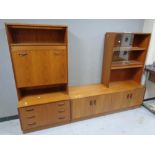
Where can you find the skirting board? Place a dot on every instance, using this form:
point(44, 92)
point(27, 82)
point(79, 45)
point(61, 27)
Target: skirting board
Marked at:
point(9, 118)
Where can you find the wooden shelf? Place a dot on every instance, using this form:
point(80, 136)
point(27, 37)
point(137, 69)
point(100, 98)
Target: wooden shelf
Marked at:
point(42, 98)
point(36, 26)
point(38, 44)
point(128, 49)
point(126, 64)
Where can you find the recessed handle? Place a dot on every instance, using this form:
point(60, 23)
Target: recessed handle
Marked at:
point(57, 52)
point(61, 111)
point(34, 123)
point(63, 117)
point(22, 54)
point(61, 104)
point(31, 117)
point(30, 109)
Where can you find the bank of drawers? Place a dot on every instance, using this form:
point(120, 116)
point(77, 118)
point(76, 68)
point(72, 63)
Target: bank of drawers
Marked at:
point(45, 114)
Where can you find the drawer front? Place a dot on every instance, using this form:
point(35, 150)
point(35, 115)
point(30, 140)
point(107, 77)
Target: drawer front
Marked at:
point(40, 65)
point(58, 112)
point(33, 116)
point(47, 114)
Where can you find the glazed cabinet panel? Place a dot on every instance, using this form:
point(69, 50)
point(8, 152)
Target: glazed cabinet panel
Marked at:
point(82, 107)
point(36, 66)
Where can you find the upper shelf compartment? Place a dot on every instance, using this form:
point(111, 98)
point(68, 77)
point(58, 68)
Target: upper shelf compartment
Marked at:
point(31, 34)
point(132, 41)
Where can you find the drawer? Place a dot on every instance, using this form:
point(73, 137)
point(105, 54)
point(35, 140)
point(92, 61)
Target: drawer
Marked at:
point(58, 112)
point(32, 116)
point(46, 114)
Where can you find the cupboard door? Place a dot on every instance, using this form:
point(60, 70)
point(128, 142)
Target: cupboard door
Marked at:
point(120, 100)
point(39, 66)
point(82, 107)
point(101, 103)
point(137, 96)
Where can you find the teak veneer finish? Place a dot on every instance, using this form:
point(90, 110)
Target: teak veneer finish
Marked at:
point(92, 100)
point(39, 55)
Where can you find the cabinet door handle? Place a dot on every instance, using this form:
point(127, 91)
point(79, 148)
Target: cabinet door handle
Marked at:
point(90, 102)
point(94, 102)
point(22, 54)
point(130, 96)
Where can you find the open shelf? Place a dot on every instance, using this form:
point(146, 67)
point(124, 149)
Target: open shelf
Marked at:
point(128, 49)
point(37, 34)
point(126, 64)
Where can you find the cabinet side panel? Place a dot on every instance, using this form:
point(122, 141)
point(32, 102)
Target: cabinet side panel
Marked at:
point(107, 58)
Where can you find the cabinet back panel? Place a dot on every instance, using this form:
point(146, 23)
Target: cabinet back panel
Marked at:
point(125, 74)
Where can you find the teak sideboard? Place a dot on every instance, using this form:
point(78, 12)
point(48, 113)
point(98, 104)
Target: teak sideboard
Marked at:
point(39, 55)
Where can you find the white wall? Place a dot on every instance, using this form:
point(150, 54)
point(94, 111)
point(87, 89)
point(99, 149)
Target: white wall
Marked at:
point(85, 54)
point(149, 26)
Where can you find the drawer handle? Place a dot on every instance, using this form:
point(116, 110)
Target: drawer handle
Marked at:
point(57, 52)
point(130, 96)
point(60, 111)
point(22, 54)
point(31, 117)
point(32, 123)
point(62, 117)
point(29, 110)
point(61, 104)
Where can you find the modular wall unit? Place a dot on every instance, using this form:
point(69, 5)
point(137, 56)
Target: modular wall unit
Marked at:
point(39, 55)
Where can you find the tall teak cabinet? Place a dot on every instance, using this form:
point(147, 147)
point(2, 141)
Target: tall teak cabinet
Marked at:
point(39, 55)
